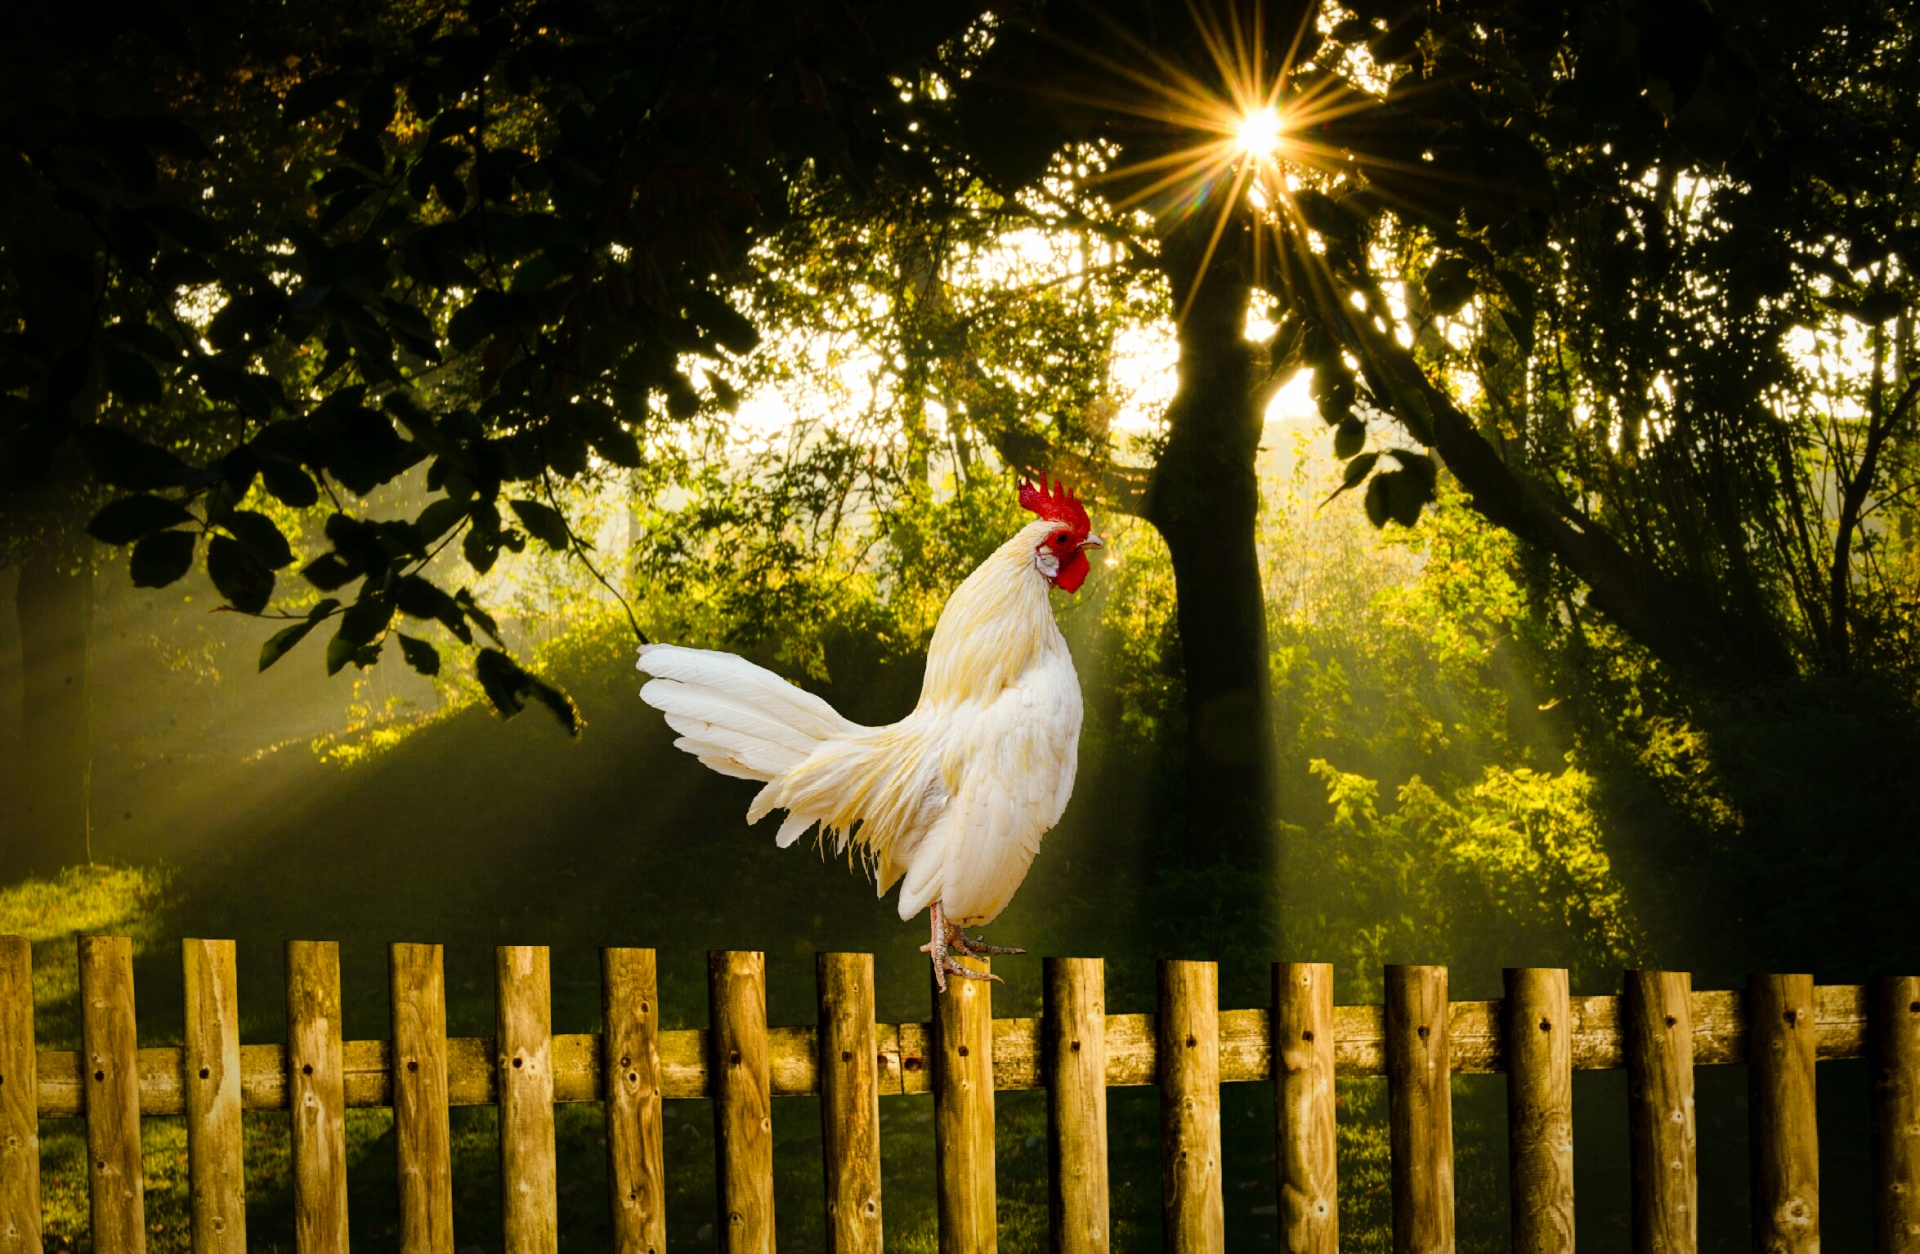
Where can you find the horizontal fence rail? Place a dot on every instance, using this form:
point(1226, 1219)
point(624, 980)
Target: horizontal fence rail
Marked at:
point(1476, 1037)
point(1659, 1031)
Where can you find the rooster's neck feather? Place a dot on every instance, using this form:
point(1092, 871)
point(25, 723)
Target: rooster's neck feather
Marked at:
point(995, 626)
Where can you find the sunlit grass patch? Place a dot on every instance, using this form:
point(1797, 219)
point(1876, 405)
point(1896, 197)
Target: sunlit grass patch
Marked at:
point(80, 901)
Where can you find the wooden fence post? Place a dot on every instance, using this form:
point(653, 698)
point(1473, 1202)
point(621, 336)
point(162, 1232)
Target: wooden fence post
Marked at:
point(1302, 1030)
point(742, 1081)
point(1189, 1058)
point(849, 1102)
point(1661, 1122)
point(116, 1182)
point(1420, 1109)
point(422, 1134)
point(1539, 1040)
point(216, 1170)
point(963, 1114)
point(1074, 1055)
point(1893, 1026)
point(636, 1157)
point(529, 1189)
point(316, 1089)
point(20, 1221)
point(1785, 1137)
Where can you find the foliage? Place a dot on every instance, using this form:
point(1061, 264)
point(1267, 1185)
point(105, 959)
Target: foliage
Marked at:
point(1514, 863)
point(1616, 348)
point(491, 240)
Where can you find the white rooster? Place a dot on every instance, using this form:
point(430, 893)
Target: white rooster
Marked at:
point(953, 798)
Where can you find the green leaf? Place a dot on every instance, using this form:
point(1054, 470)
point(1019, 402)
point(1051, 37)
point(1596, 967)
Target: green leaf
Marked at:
point(131, 377)
point(240, 577)
point(543, 522)
point(481, 618)
point(1357, 469)
point(1349, 438)
point(418, 597)
point(125, 461)
point(420, 655)
point(261, 536)
point(340, 651)
point(161, 558)
point(329, 571)
point(724, 392)
point(289, 484)
point(281, 642)
point(1450, 285)
point(437, 519)
point(1377, 503)
point(127, 519)
point(509, 687)
point(367, 617)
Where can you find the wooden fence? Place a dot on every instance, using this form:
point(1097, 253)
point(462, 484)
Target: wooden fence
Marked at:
point(1659, 1031)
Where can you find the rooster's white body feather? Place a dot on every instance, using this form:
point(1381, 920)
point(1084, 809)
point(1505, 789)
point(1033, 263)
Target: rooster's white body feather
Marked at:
point(951, 801)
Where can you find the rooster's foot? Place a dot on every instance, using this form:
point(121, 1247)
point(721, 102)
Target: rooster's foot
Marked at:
point(946, 939)
point(973, 945)
point(945, 965)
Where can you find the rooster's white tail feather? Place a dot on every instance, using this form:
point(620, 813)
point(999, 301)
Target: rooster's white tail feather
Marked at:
point(737, 718)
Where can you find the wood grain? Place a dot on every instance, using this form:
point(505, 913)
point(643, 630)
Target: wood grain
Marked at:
point(216, 1171)
point(1662, 1127)
point(1303, 1107)
point(1895, 1011)
point(1194, 1211)
point(316, 1084)
point(849, 1102)
point(1074, 1053)
point(963, 1078)
point(20, 1215)
point(1539, 1042)
point(422, 1133)
point(636, 1158)
point(1420, 1109)
point(116, 1181)
point(742, 1100)
point(529, 1189)
point(1785, 1136)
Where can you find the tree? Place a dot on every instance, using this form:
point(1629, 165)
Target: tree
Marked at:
point(1579, 253)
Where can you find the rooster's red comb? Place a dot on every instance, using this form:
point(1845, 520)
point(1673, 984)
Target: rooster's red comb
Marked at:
point(1055, 504)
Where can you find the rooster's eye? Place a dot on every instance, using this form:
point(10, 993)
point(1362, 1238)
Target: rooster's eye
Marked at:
point(1060, 539)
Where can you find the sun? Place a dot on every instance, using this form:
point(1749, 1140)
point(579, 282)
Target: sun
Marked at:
point(1259, 133)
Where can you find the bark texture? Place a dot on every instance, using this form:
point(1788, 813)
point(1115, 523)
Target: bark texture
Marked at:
point(1204, 500)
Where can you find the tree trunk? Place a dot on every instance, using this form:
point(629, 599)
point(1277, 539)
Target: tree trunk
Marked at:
point(1204, 499)
point(51, 819)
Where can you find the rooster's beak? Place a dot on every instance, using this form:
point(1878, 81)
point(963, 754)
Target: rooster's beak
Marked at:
point(1093, 542)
